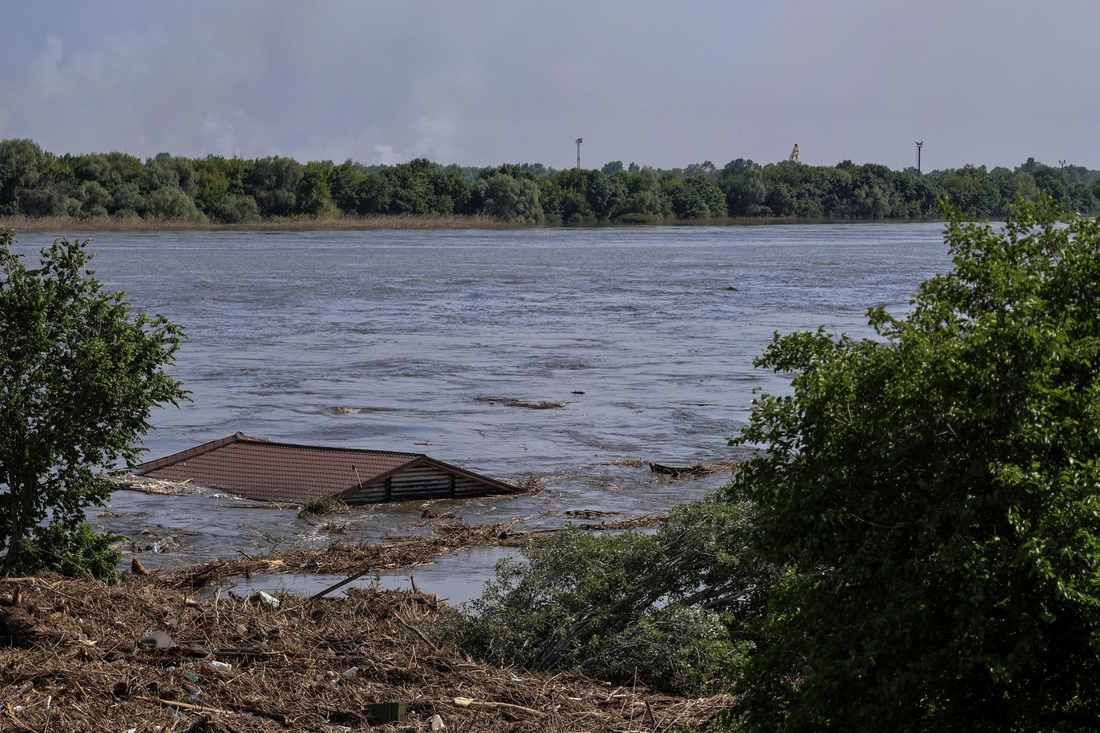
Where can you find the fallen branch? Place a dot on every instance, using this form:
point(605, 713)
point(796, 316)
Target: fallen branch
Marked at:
point(277, 717)
point(514, 402)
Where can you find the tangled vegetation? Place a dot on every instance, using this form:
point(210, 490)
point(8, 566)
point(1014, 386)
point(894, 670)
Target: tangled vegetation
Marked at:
point(670, 609)
point(320, 506)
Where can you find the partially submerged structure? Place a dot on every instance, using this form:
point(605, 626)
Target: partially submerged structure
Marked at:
point(285, 472)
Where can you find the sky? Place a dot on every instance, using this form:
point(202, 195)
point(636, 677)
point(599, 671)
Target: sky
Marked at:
point(481, 83)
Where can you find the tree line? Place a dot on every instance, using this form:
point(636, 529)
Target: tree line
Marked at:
point(215, 189)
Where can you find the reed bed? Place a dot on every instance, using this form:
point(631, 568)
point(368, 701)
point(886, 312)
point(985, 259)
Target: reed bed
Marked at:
point(68, 224)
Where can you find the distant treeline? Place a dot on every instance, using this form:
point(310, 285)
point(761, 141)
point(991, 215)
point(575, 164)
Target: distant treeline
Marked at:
point(215, 189)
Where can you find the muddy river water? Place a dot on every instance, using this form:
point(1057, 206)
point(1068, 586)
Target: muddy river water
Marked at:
point(403, 340)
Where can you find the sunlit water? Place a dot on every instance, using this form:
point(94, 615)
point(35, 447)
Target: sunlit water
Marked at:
point(386, 340)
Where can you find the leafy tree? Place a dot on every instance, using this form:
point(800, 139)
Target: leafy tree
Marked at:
point(171, 202)
point(93, 199)
point(109, 170)
point(605, 195)
point(273, 184)
point(235, 209)
point(21, 164)
point(375, 194)
point(743, 183)
point(165, 171)
point(419, 187)
point(781, 200)
point(706, 169)
point(642, 207)
point(972, 190)
point(52, 194)
point(637, 197)
point(411, 187)
point(922, 194)
point(694, 198)
point(345, 181)
point(1082, 199)
point(1051, 182)
point(567, 198)
point(127, 201)
point(79, 374)
point(507, 198)
point(737, 167)
point(314, 196)
point(934, 491)
point(452, 192)
point(219, 184)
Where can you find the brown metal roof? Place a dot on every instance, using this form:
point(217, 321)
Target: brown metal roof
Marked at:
point(261, 469)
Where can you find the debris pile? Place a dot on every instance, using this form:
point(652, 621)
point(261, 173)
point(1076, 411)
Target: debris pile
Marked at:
point(146, 654)
point(396, 553)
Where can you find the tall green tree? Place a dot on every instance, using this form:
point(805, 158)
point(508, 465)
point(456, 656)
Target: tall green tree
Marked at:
point(936, 491)
point(21, 164)
point(273, 184)
point(79, 374)
point(508, 198)
point(694, 198)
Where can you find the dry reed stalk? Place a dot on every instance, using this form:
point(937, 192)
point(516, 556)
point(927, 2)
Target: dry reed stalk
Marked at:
point(71, 224)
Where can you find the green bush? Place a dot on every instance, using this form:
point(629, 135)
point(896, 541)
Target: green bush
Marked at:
point(934, 491)
point(667, 609)
point(678, 648)
point(73, 553)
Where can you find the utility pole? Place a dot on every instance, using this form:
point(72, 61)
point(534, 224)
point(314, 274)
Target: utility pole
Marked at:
point(920, 144)
point(579, 141)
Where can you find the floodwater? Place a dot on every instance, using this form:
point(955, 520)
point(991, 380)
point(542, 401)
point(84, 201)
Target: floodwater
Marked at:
point(387, 339)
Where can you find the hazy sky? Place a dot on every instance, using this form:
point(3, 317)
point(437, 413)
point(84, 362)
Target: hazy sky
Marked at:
point(482, 83)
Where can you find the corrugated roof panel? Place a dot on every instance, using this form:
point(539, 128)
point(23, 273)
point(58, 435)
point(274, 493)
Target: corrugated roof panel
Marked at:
point(284, 472)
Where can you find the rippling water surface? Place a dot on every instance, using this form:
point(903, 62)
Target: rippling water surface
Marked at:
point(387, 340)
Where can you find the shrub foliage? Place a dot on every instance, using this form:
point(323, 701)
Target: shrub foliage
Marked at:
point(669, 609)
point(936, 492)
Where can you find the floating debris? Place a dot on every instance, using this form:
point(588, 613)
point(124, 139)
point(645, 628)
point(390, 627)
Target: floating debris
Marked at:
point(692, 471)
point(589, 513)
point(678, 471)
point(514, 402)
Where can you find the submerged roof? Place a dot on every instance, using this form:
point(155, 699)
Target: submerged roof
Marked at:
point(262, 469)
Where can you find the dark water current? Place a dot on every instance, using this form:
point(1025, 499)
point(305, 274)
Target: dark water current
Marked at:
point(386, 340)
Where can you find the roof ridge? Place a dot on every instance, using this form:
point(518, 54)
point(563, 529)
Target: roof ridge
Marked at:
point(242, 438)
